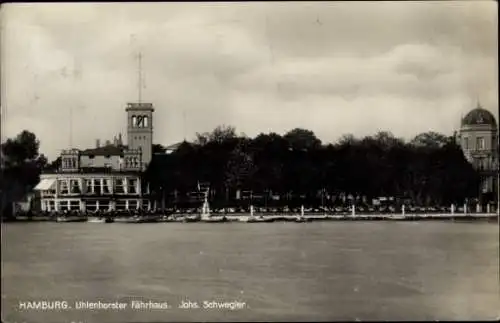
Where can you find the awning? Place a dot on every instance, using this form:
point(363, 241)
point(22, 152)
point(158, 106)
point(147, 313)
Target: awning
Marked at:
point(45, 184)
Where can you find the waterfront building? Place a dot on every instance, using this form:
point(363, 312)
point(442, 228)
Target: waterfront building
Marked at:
point(478, 138)
point(106, 177)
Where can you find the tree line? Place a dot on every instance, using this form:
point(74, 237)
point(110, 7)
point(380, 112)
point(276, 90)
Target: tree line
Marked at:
point(297, 169)
point(292, 169)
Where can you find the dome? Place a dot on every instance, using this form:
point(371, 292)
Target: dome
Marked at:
point(479, 116)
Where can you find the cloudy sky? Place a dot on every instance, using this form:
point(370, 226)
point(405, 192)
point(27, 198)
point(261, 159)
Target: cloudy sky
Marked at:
point(332, 67)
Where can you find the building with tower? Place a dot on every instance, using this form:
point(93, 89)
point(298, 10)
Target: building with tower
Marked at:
point(478, 138)
point(106, 177)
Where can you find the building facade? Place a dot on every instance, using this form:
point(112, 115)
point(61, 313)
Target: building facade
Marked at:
point(107, 177)
point(478, 138)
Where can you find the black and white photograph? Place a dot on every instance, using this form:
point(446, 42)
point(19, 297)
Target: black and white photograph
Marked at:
point(249, 161)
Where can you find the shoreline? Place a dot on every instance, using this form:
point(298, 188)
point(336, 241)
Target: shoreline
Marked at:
point(242, 217)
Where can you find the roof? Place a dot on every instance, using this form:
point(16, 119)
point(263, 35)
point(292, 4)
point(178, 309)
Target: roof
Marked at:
point(479, 116)
point(139, 106)
point(45, 184)
point(93, 170)
point(176, 146)
point(109, 150)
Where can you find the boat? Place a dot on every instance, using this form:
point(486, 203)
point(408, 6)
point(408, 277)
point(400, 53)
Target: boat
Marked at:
point(301, 218)
point(73, 218)
point(129, 219)
point(205, 215)
point(260, 219)
point(192, 218)
point(95, 219)
point(215, 219)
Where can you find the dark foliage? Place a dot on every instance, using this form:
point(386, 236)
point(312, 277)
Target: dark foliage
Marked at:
point(429, 170)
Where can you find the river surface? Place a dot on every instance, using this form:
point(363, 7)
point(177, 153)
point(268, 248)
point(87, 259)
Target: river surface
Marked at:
point(280, 271)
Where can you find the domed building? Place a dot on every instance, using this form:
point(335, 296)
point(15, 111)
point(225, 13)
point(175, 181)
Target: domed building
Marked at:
point(478, 138)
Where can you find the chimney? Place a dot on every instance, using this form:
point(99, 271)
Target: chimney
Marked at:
point(120, 139)
point(115, 141)
point(97, 143)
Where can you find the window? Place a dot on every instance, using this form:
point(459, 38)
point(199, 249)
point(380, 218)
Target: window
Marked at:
point(51, 206)
point(75, 186)
point(97, 186)
point(91, 206)
point(121, 205)
point(106, 187)
point(88, 186)
point(74, 205)
point(63, 187)
point(480, 143)
point(132, 204)
point(132, 186)
point(466, 143)
point(104, 205)
point(146, 204)
point(63, 205)
point(119, 189)
point(134, 121)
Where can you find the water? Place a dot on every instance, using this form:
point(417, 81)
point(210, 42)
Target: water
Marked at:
point(282, 271)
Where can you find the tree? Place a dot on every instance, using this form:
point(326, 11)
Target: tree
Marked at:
point(21, 169)
point(297, 166)
point(302, 139)
point(430, 139)
point(157, 149)
point(54, 165)
point(219, 134)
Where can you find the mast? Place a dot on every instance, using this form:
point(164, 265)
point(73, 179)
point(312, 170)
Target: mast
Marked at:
point(184, 125)
point(71, 127)
point(139, 58)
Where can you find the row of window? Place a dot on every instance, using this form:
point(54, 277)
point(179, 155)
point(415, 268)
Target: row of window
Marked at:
point(484, 163)
point(480, 144)
point(132, 162)
point(140, 121)
point(98, 186)
point(69, 162)
point(91, 206)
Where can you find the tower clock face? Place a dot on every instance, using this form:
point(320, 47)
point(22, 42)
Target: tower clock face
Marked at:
point(139, 121)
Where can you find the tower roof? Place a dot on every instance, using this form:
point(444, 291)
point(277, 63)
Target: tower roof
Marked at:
point(139, 106)
point(479, 116)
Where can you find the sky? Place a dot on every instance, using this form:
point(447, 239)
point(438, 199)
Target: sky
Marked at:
point(68, 70)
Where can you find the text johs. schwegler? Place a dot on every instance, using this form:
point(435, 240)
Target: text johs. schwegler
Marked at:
point(235, 305)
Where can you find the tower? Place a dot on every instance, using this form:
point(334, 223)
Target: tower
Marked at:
point(140, 130)
point(479, 141)
point(140, 125)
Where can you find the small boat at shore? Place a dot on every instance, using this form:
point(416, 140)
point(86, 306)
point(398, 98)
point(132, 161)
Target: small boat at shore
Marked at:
point(301, 218)
point(71, 219)
point(136, 219)
point(259, 219)
point(214, 219)
point(192, 218)
point(95, 219)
